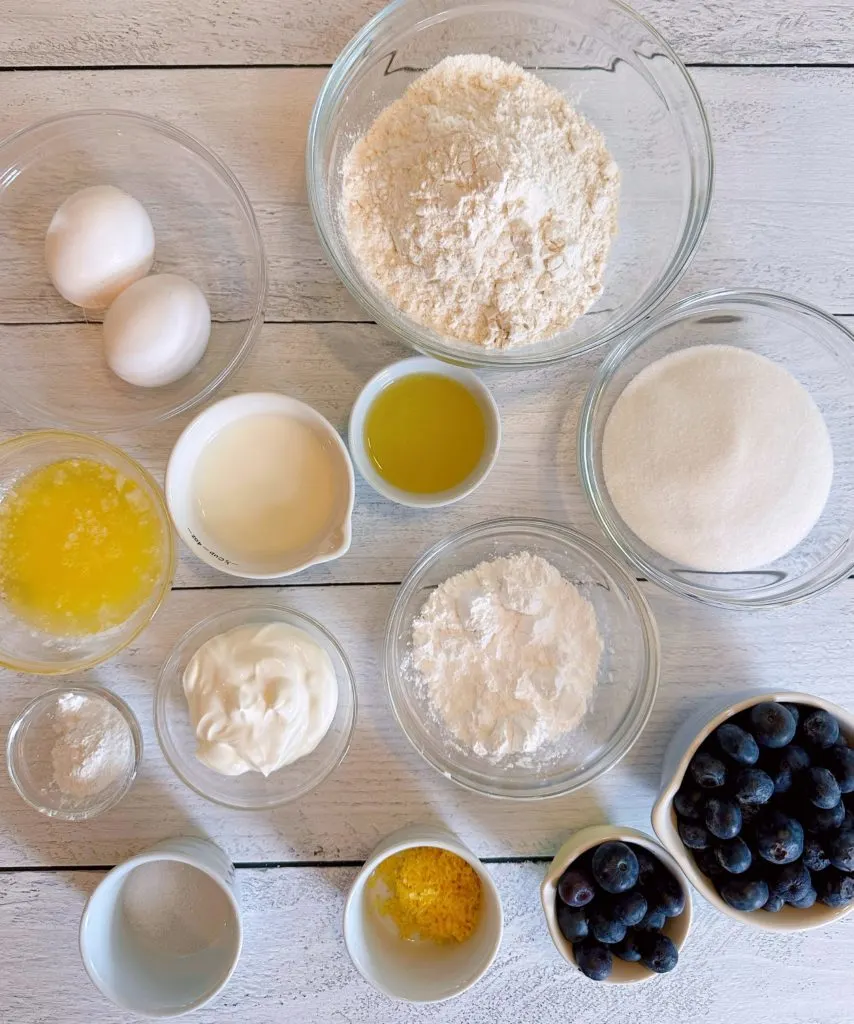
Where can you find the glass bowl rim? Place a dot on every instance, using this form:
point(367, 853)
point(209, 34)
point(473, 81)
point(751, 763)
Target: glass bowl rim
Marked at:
point(162, 128)
point(169, 669)
point(89, 690)
point(164, 587)
point(593, 487)
point(648, 674)
point(428, 342)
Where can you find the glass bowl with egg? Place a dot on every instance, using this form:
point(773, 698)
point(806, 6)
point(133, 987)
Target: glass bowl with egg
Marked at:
point(135, 275)
point(614, 69)
point(625, 677)
point(216, 739)
point(87, 552)
point(812, 515)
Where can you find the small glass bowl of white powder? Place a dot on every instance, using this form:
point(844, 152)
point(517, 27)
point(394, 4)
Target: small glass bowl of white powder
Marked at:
point(716, 449)
point(74, 752)
point(521, 660)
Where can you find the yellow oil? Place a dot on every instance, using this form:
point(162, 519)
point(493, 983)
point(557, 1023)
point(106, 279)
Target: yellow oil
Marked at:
point(81, 547)
point(425, 433)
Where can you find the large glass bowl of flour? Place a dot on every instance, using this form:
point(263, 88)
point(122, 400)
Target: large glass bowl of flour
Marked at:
point(614, 69)
point(819, 353)
point(625, 685)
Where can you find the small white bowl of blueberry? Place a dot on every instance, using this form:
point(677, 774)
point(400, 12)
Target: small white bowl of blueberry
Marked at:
point(757, 808)
point(617, 905)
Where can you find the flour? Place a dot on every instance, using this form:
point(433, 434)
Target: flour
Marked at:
point(93, 747)
point(507, 655)
point(482, 205)
point(717, 458)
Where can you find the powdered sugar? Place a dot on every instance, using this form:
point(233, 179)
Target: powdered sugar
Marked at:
point(482, 204)
point(93, 747)
point(507, 654)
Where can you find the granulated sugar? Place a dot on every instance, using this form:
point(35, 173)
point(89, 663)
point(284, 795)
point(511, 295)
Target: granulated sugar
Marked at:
point(482, 204)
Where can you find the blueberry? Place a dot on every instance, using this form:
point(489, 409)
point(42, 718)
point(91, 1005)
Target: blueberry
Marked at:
point(772, 724)
point(723, 818)
point(840, 760)
point(688, 802)
point(707, 771)
point(658, 952)
point(734, 855)
point(840, 849)
point(615, 867)
point(628, 948)
point(572, 923)
point(794, 711)
point(820, 728)
point(815, 819)
point(753, 786)
point(576, 887)
point(791, 881)
point(694, 836)
point(819, 787)
point(746, 894)
point(654, 920)
point(790, 761)
point(749, 814)
point(737, 744)
point(708, 863)
point(835, 889)
point(805, 900)
point(779, 838)
point(671, 898)
point(647, 864)
point(603, 928)
point(628, 908)
point(848, 820)
point(594, 960)
point(774, 904)
point(815, 858)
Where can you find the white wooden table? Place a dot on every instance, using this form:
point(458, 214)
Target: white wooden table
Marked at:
point(778, 82)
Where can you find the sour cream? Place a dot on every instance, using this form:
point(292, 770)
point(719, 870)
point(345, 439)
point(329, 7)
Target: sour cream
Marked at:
point(260, 697)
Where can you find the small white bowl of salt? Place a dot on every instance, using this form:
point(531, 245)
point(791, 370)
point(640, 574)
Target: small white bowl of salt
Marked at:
point(161, 935)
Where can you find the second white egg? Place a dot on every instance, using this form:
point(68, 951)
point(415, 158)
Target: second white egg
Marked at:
point(157, 330)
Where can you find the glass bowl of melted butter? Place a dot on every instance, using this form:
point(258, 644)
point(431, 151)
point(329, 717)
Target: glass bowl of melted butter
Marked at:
point(86, 551)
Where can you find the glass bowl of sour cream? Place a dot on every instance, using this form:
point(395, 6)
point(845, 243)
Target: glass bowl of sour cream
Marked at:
point(255, 706)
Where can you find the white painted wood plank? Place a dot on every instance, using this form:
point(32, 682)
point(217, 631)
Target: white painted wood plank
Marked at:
point(36, 33)
point(383, 784)
point(295, 969)
point(783, 215)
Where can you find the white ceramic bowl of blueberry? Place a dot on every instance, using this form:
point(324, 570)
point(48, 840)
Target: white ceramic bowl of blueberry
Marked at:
point(791, 861)
point(652, 859)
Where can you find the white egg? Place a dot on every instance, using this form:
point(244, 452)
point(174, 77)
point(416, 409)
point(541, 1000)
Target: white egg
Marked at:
point(157, 330)
point(100, 241)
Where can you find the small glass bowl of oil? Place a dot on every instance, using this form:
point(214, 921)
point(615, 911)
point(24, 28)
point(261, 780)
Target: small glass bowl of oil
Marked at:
point(425, 433)
point(87, 552)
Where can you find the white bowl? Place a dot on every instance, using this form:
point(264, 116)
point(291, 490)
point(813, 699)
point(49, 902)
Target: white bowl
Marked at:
point(133, 971)
point(685, 743)
point(405, 368)
point(676, 929)
point(179, 480)
point(419, 972)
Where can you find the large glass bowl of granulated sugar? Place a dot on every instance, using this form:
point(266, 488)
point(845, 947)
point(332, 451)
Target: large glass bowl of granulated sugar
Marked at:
point(490, 634)
point(616, 71)
point(745, 467)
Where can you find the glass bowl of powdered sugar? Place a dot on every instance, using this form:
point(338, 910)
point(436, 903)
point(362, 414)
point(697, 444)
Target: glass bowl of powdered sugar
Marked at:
point(521, 660)
point(508, 182)
point(73, 752)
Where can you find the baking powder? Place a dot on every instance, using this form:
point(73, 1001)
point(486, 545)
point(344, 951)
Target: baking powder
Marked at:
point(93, 746)
point(507, 654)
point(482, 204)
